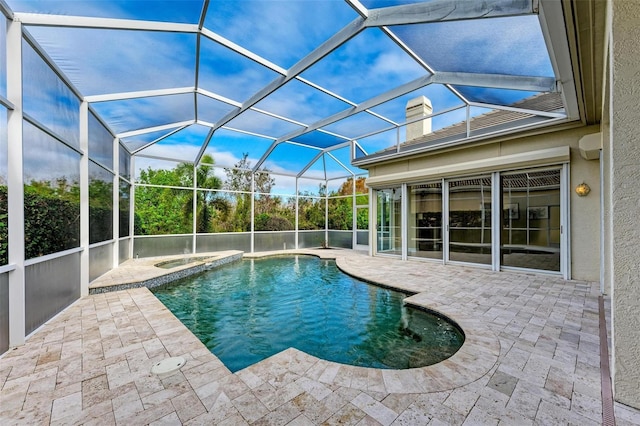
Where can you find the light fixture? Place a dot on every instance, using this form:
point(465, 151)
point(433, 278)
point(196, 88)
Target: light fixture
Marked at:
point(582, 189)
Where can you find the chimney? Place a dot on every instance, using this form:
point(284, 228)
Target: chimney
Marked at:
point(418, 107)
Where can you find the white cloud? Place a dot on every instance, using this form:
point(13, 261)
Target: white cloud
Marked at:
point(149, 112)
point(280, 31)
point(100, 61)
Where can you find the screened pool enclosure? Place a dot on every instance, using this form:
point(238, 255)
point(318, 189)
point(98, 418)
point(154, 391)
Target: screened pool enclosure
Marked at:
point(143, 128)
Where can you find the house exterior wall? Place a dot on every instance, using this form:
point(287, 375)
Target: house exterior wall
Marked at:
point(623, 227)
point(584, 211)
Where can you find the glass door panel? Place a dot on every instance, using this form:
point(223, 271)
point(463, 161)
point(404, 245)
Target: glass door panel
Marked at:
point(389, 237)
point(425, 220)
point(530, 236)
point(470, 220)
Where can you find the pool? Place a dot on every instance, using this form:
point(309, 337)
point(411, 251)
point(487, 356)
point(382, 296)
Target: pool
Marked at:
point(252, 309)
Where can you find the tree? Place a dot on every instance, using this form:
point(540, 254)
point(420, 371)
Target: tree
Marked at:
point(340, 212)
point(347, 186)
point(207, 202)
point(239, 181)
point(270, 214)
point(239, 177)
point(311, 211)
point(170, 210)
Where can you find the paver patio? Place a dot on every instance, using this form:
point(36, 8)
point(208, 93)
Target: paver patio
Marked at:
point(531, 357)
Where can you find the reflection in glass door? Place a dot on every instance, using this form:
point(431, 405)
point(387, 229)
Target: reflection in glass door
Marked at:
point(425, 220)
point(530, 236)
point(389, 237)
point(470, 220)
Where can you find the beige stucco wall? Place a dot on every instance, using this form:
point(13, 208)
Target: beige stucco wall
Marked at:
point(624, 230)
point(585, 211)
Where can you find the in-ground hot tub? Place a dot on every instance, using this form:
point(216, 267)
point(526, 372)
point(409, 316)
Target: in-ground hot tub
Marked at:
point(169, 264)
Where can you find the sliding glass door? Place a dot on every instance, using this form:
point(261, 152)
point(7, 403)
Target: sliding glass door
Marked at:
point(469, 219)
point(502, 220)
point(389, 221)
point(530, 236)
point(425, 220)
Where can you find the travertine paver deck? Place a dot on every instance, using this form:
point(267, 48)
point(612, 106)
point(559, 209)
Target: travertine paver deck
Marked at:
point(91, 364)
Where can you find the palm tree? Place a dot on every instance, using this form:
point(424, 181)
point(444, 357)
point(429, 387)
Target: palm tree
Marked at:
point(207, 201)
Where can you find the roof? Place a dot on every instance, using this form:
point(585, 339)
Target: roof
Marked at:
point(520, 114)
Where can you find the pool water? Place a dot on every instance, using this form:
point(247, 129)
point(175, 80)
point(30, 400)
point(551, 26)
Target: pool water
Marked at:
point(250, 310)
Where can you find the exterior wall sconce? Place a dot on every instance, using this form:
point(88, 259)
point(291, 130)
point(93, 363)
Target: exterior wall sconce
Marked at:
point(582, 189)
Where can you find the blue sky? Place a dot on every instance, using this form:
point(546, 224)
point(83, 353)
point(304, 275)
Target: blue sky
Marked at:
point(281, 32)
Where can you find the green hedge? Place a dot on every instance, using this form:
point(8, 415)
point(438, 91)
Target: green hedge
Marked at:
point(51, 224)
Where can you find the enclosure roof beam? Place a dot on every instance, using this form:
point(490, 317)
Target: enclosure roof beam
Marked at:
point(204, 146)
point(138, 94)
point(358, 7)
point(5, 9)
point(6, 103)
point(304, 145)
point(153, 142)
point(337, 40)
point(497, 81)
point(169, 126)
point(203, 13)
point(415, 120)
point(242, 51)
point(340, 163)
point(553, 28)
point(391, 94)
point(50, 62)
point(448, 10)
point(246, 132)
point(311, 163)
point(61, 21)
point(548, 114)
point(266, 155)
point(539, 84)
point(217, 97)
point(338, 146)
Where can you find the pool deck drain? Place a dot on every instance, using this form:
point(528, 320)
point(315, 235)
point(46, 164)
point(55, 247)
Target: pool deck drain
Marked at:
point(91, 363)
